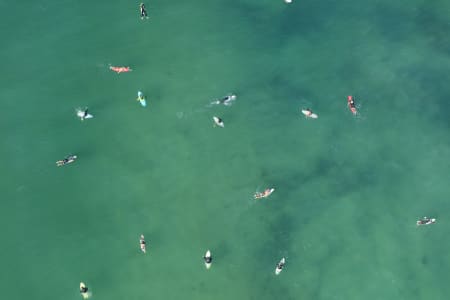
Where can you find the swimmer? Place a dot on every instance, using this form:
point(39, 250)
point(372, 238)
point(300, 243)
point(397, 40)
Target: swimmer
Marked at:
point(425, 221)
point(69, 159)
point(227, 100)
point(208, 259)
point(218, 121)
point(280, 266)
point(143, 11)
point(84, 114)
point(142, 243)
point(266, 193)
point(84, 290)
point(120, 69)
point(288, 1)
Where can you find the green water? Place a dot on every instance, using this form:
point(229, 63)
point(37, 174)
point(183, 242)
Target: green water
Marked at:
point(348, 189)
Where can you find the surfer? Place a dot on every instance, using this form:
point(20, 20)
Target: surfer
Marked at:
point(142, 243)
point(425, 221)
point(351, 104)
point(264, 194)
point(69, 159)
point(120, 69)
point(84, 290)
point(143, 11)
point(141, 99)
point(218, 121)
point(309, 113)
point(280, 266)
point(227, 100)
point(208, 259)
point(83, 114)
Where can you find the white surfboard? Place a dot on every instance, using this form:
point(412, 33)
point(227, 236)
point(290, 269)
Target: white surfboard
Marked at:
point(218, 122)
point(309, 114)
point(277, 269)
point(208, 255)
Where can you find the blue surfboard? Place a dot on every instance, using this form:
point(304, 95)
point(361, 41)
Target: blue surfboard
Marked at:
point(141, 99)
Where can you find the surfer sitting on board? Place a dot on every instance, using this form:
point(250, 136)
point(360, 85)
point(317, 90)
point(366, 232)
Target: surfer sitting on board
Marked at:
point(218, 121)
point(69, 159)
point(280, 266)
point(120, 69)
point(142, 243)
point(83, 114)
point(84, 290)
point(143, 11)
point(264, 194)
point(227, 100)
point(208, 259)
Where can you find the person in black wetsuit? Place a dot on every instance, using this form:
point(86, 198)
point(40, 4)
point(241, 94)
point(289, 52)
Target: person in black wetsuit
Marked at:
point(208, 259)
point(67, 160)
point(143, 11)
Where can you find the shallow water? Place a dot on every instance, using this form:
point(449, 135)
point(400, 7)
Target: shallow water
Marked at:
point(348, 189)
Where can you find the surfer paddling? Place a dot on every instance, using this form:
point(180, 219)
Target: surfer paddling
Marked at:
point(351, 104)
point(227, 100)
point(218, 121)
point(265, 194)
point(120, 69)
point(143, 11)
point(84, 290)
point(69, 159)
point(309, 113)
point(208, 259)
point(142, 243)
point(425, 221)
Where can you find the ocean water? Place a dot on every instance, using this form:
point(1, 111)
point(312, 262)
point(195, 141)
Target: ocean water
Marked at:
point(348, 189)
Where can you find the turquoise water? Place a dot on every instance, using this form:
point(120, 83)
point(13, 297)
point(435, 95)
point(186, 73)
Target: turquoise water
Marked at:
point(348, 189)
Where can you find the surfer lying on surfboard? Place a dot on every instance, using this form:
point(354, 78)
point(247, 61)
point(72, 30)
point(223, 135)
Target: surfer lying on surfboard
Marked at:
point(264, 194)
point(227, 100)
point(69, 159)
point(351, 104)
point(120, 69)
point(143, 11)
point(309, 114)
point(142, 243)
point(425, 221)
